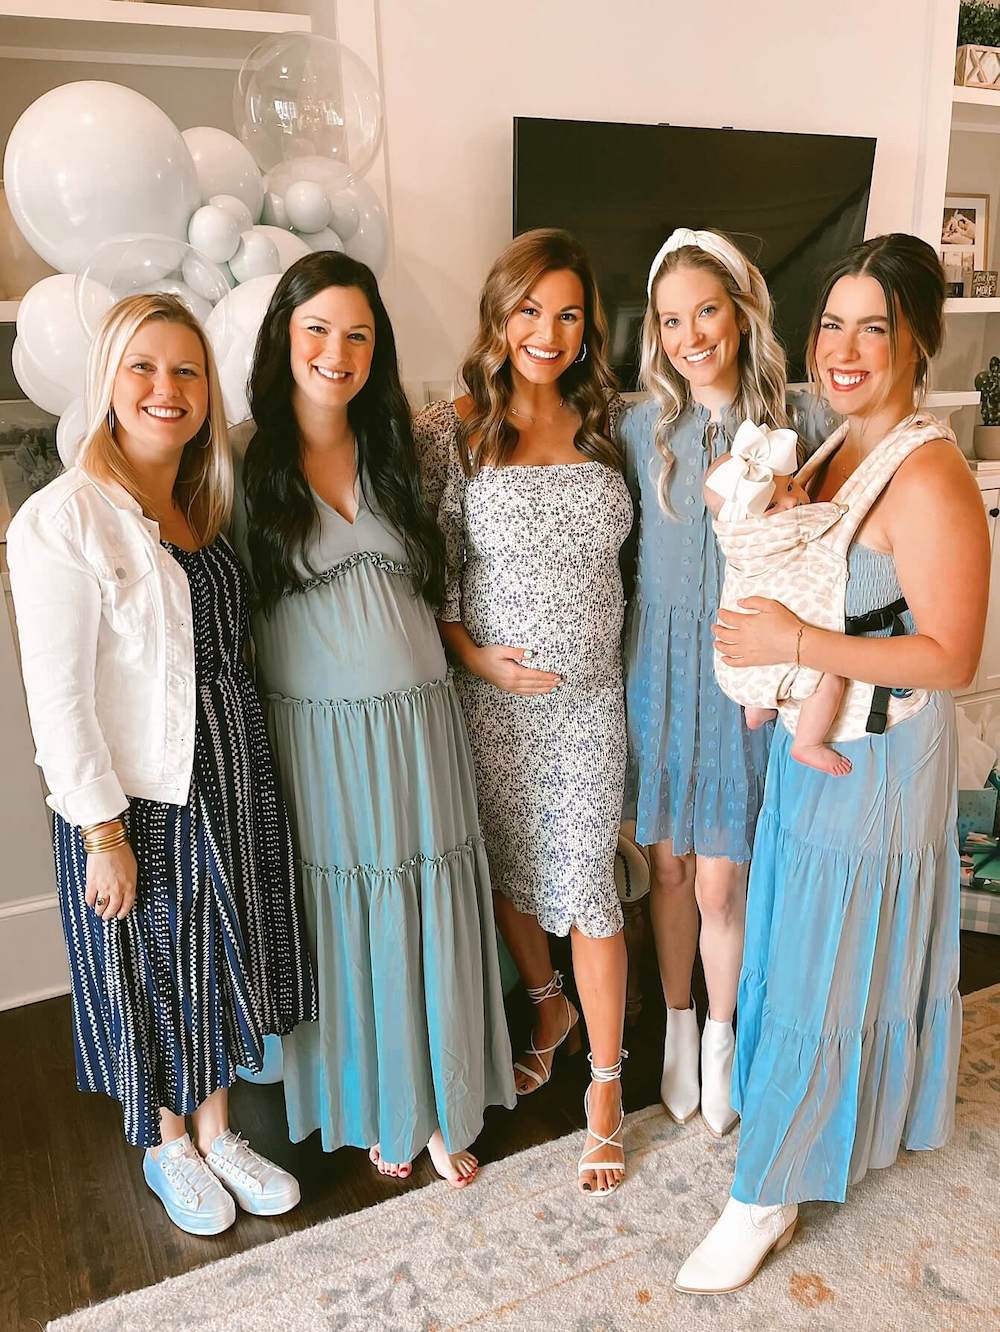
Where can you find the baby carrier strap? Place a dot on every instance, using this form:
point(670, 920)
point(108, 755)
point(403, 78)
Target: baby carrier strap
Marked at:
point(816, 460)
point(886, 617)
point(868, 480)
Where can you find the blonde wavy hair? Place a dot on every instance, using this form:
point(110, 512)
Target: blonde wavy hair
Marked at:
point(761, 393)
point(486, 437)
point(204, 486)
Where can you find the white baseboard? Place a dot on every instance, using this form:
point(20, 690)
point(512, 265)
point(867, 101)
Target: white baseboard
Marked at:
point(32, 952)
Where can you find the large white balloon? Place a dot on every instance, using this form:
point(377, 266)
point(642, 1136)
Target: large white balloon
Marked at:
point(70, 431)
point(90, 160)
point(51, 397)
point(289, 246)
point(225, 167)
point(299, 93)
point(51, 334)
point(256, 256)
point(232, 329)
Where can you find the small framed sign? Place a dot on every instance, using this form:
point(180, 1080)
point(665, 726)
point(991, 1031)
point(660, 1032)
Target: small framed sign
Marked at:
point(984, 282)
point(965, 228)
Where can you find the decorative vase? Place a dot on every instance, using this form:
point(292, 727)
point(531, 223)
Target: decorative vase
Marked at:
point(977, 67)
point(986, 442)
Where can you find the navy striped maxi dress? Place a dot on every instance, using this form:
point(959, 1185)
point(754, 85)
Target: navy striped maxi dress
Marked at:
point(213, 956)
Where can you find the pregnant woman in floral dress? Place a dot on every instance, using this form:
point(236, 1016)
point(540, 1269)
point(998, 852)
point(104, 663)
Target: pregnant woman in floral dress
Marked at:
point(534, 509)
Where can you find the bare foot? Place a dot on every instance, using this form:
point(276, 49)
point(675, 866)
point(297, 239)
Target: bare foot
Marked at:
point(822, 757)
point(458, 1168)
point(552, 1017)
point(604, 1116)
point(758, 717)
point(397, 1171)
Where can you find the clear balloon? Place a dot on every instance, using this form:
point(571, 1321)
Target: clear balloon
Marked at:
point(225, 167)
point(256, 256)
point(232, 329)
point(307, 206)
point(299, 94)
point(215, 232)
point(324, 240)
point(90, 160)
point(35, 385)
point(127, 265)
point(52, 336)
point(289, 246)
point(70, 432)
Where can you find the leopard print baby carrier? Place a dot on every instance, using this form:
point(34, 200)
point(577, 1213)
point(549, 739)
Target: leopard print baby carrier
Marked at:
point(799, 557)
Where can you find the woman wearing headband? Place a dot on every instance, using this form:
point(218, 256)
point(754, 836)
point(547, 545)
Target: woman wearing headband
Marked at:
point(710, 360)
point(531, 499)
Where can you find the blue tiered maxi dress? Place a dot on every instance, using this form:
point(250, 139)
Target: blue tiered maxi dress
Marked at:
point(695, 772)
point(378, 777)
point(849, 1013)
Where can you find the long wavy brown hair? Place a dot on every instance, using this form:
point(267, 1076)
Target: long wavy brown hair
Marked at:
point(486, 437)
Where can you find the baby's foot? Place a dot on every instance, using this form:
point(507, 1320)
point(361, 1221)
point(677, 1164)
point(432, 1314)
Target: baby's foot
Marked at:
point(758, 717)
point(458, 1168)
point(822, 757)
point(397, 1171)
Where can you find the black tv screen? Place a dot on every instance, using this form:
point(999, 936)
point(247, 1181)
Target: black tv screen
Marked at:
point(793, 202)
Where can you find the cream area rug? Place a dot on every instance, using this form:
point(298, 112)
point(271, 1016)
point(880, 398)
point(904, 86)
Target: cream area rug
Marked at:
point(915, 1247)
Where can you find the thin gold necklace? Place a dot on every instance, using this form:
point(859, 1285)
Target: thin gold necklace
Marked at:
point(531, 419)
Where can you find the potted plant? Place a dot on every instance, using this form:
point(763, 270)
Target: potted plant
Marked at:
point(977, 63)
point(986, 437)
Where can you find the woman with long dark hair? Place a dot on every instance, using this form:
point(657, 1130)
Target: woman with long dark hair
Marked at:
point(530, 495)
point(411, 1043)
point(850, 1017)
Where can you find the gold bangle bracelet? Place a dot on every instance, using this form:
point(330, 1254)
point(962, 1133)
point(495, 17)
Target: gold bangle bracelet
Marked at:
point(105, 826)
point(94, 845)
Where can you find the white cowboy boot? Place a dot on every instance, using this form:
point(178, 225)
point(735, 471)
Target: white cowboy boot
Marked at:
point(731, 1253)
point(718, 1045)
point(679, 1083)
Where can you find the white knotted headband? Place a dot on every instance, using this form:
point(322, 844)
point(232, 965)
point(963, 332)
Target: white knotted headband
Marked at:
point(712, 243)
point(746, 479)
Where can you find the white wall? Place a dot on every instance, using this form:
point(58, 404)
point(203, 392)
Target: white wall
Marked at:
point(456, 72)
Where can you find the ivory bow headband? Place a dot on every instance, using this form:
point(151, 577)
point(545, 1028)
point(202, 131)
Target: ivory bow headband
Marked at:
point(717, 246)
point(746, 479)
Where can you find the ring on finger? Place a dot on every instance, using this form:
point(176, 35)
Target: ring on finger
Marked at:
point(102, 902)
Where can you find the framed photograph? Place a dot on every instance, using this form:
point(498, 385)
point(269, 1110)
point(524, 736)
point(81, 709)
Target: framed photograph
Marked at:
point(965, 231)
point(28, 457)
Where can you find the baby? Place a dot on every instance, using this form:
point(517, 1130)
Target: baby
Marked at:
point(756, 481)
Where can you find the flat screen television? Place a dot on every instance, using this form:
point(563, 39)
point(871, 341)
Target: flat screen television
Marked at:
point(793, 202)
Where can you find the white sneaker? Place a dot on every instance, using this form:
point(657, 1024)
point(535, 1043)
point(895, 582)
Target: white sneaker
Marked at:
point(258, 1185)
point(731, 1253)
point(192, 1197)
point(718, 1045)
point(679, 1082)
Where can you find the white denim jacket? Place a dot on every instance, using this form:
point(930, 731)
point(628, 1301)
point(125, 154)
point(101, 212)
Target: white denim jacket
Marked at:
point(107, 648)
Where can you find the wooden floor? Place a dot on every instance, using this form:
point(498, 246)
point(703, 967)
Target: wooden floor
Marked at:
point(78, 1224)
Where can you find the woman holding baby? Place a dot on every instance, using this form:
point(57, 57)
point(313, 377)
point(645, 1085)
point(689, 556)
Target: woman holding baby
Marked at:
point(850, 1018)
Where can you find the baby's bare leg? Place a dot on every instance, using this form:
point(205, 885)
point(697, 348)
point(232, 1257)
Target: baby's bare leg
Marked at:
point(758, 717)
point(815, 719)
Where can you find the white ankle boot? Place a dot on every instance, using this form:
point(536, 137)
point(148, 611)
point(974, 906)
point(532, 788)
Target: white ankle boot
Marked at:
point(679, 1083)
point(718, 1045)
point(731, 1253)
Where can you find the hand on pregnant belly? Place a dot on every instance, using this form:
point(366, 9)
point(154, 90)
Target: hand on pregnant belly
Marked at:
point(505, 668)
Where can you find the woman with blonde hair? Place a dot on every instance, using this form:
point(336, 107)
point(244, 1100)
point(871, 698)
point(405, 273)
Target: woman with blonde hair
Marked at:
point(530, 497)
point(173, 855)
point(709, 360)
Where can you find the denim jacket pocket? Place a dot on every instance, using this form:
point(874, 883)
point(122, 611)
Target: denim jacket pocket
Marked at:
point(126, 591)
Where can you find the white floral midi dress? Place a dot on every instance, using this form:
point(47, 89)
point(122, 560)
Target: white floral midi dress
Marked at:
point(533, 562)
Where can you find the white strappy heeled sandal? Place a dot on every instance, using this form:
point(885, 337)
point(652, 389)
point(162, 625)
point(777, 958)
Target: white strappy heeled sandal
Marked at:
point(612, 1074)
point(571, 1036)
